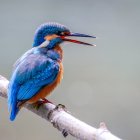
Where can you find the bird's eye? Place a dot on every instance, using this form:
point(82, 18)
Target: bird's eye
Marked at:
point(62, 33)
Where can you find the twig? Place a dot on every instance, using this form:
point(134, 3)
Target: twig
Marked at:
point(63, 121)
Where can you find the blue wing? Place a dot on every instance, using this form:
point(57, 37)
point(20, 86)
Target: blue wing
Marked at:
point(32, 72)
point(44, 77)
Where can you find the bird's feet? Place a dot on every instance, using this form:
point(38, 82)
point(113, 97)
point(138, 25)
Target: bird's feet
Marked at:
point(40, 103)
point(45, 101)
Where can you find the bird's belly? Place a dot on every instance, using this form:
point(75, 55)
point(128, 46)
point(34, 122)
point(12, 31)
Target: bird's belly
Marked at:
point(46, 90)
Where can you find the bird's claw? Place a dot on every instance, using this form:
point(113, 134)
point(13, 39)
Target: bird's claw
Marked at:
point(37, 105)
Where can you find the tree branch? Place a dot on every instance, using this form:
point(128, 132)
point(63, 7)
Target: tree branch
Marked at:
point(63, 121)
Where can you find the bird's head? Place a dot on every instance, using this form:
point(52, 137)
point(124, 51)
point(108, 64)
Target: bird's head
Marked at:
point(56, 33)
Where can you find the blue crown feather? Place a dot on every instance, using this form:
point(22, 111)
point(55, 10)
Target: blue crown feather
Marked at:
point(47, 29)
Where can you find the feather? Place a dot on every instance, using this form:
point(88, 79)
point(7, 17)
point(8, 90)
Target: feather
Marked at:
point(32, 72)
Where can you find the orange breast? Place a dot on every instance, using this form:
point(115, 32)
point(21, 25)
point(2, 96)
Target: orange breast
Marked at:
point(49, 88)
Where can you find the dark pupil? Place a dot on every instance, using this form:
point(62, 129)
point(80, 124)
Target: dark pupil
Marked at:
point(59, 33)
point(63, 33)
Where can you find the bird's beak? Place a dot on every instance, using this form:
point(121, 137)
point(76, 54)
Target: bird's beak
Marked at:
point(76, 41)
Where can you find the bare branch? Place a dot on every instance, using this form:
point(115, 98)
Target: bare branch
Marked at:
point(63, 121)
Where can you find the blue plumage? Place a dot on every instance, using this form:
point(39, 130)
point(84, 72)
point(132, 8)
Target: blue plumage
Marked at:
point(48, 29)
point(32, 72)
point(39, 68)
point(12, 100)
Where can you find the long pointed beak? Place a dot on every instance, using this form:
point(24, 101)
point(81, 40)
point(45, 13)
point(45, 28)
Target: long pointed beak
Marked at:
point(81, 35)
point(76, 41)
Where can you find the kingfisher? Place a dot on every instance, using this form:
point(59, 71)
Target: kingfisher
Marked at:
point(39, 70)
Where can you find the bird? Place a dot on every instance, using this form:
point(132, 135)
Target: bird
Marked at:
point(40, 70)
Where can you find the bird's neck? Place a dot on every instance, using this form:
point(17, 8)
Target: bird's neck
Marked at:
point(38, 40)
point(59, 51)
point(56, 53)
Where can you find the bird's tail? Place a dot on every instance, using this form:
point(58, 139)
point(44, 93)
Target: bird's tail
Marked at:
point(12, 101)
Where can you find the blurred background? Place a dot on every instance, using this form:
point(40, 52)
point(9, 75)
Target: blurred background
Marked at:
point(100, 83)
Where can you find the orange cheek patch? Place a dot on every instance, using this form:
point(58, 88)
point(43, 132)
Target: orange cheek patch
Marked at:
point(50, 37)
